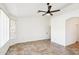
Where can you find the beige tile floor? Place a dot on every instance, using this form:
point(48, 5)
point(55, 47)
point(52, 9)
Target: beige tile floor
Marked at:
point(42, 47)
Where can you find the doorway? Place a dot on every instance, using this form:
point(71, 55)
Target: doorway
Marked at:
point(72, 30)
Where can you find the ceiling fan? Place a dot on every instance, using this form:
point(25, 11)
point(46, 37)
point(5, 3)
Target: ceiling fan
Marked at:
point(49, 10)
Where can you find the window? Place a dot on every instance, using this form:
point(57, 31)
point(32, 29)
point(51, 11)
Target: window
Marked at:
point(4, 28)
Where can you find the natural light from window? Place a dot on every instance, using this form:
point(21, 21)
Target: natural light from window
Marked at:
point(4, 28)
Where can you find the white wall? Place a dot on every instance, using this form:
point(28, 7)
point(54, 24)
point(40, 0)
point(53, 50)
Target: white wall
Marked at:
point(32, 28)
point(58, 29)
point(72, 32)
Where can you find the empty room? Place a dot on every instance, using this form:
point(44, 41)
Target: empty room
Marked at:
point(39, 29)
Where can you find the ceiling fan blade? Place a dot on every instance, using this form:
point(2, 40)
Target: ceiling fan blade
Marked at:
point(51, 14)
point(41, 11)
point(55, 10)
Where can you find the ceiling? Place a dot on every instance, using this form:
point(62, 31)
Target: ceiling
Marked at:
point(30, 9)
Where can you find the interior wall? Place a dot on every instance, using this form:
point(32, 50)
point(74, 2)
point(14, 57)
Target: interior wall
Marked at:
point(72, 32)
point(58, 27)
point(32, 28)
point(58, 30)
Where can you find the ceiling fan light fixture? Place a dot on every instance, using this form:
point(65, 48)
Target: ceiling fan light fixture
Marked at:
point(47, 3)
point(48, 12)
